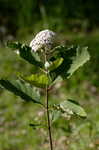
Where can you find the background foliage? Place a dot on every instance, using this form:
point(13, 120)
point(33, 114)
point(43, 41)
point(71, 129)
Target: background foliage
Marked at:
point(61, 15)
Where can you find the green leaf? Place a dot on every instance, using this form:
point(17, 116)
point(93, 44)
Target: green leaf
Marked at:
point(26, 53)
point(55, 64)
point(38, 80)
point(73, 58)
point(22, 89)
point(71, 105)
point(82, 56)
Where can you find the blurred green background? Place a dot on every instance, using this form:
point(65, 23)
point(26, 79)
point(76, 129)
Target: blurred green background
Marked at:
point(75, 21)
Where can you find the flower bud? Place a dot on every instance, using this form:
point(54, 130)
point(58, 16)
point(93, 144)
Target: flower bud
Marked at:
point(47, 65)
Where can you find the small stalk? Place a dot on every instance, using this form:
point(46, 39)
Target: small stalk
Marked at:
point(47, 111)
point(48, 120)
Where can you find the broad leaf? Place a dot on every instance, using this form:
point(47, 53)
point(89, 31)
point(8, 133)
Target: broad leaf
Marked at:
point(55, 64)
point(38, 80)
point(82, 56)
point(71, 105)
point(22, 89)
point(26, 53)
point(73, 58)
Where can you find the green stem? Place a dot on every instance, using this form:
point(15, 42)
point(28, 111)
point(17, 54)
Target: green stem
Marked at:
point(48, 120)
point(47, 111)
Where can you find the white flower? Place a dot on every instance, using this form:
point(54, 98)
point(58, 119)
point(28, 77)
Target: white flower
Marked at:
point(44, 39)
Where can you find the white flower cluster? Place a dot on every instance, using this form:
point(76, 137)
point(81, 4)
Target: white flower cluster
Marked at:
point(44, 39)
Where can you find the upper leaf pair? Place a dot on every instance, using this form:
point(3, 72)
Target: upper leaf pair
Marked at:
point(64, 61)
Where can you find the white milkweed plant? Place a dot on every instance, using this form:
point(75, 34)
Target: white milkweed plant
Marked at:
point(51, 61)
